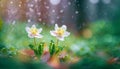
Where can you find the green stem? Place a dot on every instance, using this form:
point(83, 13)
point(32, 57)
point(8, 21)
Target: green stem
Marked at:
point(35, 41)
point(40, 41)
point(57, 42)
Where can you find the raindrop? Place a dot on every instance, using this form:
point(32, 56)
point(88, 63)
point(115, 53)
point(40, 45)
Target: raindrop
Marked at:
point(36, 0)
point(76, 12)
point(61, 11)
point(58, 17)
point(31, 10)
point(55, 2)
point(47, 7)
point(40, 19)
point(11, 2)
point(29, 20)
point(53, 11)
point(69, 3)
point(19, 5)
point(30, 5)
point(39, 13)
point(43, 23)
point(94, 1)
point(106, 1)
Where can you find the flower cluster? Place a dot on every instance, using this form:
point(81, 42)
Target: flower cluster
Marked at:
point(59, 32)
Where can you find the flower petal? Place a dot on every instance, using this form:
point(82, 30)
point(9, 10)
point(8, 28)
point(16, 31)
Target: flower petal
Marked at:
point(30, 35)
point(53, 33)
point(61, 38)
point(33, 26)
point(56, 26)
point(27, 29)
point(64, 27)
point(66, 34)
point(39, 36)
point(40, 30)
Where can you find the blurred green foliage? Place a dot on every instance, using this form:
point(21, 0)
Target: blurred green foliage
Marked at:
point(102, 49)
point(0, 24)
point(93, 63)
point(8, 63)
point(94, 52)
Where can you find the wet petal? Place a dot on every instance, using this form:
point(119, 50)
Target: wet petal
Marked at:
point(61, 38)
point(56, 26)
point(64, 27)
point(40, 30)
point(33, 26)
point(66, 34)
point(27, 29)
point(30, 35)
point(39, 36)
point(53, 33)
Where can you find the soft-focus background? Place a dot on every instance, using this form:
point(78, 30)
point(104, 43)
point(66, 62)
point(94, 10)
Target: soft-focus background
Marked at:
point(94, 42)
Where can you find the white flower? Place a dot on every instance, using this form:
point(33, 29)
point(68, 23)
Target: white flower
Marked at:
point(33, 32)
point(60, 32)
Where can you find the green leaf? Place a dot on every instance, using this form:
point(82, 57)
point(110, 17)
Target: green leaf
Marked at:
point(41, 48)
point(4, 51)
point(59, 49)
point(1, 46)
point(34, 49)
point(31, 46)
point(12, 49)
point(52, 47)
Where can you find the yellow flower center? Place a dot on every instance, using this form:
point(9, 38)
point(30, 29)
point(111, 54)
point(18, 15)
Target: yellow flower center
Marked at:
point(60, 31)
point(34, 31)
